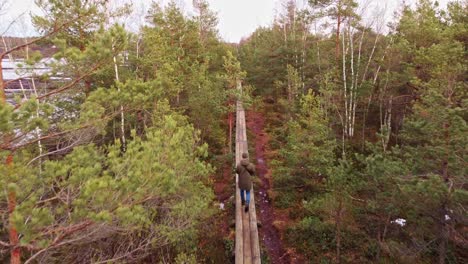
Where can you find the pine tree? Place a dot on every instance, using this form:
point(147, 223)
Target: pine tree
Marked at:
point(233, 76)
point(435, 132)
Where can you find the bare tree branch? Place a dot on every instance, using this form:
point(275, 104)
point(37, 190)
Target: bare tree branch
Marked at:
point(12, 23)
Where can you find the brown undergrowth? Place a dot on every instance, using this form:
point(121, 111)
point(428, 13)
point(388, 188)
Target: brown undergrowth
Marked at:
point(274, 222)
point(217, 235)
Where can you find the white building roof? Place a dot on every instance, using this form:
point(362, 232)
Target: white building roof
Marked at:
point(12, 71)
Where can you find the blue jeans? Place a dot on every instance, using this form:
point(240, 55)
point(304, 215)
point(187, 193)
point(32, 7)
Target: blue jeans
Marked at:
point(247, 196)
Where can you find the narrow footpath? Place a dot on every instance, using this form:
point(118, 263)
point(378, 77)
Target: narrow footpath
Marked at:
point(269, 235)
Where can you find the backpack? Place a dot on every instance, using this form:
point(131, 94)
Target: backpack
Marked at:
point(250, 169)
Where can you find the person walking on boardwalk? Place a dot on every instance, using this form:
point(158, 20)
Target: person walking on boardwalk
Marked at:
point(245, 169)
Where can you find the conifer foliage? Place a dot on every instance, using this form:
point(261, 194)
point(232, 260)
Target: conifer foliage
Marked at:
point(108, 161)
point(370, 161)
point(107, 153)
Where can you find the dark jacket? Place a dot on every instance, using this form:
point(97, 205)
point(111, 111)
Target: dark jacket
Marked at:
point(245, 169)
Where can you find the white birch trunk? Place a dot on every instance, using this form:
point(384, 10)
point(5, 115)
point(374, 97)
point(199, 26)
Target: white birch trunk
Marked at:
point(38, 131)
point(359, 58)
point(304, 44)
point(22, 89)
point(355, 79)
point(296, 58)
point(389, 122)
point(374, 81)
point(364, 75)
point(352, 92)
point(345, 88)
point(318, 51)
point(122, 116)
point(138, 53)
point(10, 56)
point(385, 118)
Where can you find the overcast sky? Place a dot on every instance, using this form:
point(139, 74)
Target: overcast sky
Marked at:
point(237, 18)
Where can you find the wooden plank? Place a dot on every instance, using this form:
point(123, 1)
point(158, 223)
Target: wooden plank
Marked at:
point(246, 237)
point(255, 245)
point(239, 243)
point(253, 229)
point(247, 243)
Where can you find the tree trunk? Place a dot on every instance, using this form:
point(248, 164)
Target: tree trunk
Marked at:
point(304, 53)
point(381, 238)
point(294, 40)
point(345, 88)
point(338, 231)
point(443, 235)
point(352, 88)
point(122, 116)
point(38, 131)
point(444, 212)
point(15, 253)
point(318, 52)
point(337, 40)
point(230, 131)
point(2, 83)
point(11, 196)
point(445, 173)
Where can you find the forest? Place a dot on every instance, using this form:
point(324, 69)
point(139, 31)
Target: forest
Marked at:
point(117, 145)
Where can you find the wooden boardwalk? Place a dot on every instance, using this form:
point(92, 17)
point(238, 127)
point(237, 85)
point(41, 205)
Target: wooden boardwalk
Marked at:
point(247, 244)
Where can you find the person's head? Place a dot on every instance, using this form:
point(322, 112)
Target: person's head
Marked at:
point(245, 155)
